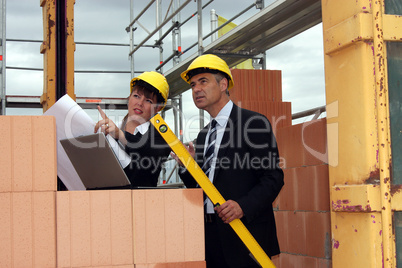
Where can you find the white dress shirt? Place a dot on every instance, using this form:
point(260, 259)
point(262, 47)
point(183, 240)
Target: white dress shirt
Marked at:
point(221, 122)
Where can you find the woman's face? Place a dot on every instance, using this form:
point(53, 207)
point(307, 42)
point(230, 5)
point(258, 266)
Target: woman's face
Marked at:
point(140, 107)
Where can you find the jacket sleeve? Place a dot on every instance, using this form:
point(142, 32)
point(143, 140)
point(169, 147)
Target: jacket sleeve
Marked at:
point(187, 179)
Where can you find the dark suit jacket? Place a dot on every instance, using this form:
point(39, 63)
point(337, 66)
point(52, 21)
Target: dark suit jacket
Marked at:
point(247, 172)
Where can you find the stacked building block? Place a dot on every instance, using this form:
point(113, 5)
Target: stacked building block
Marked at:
point(303, 206)
point(28, 175)
point(41, 227)
point(302, 209)
point(261, 91)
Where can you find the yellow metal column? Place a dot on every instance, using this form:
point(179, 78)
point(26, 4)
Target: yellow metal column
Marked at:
point(70, 48)
point(381, 89)
point(49, 48)
point(358, 133)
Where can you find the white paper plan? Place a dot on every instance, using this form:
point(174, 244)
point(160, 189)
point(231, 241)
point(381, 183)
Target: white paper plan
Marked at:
point(72, 121)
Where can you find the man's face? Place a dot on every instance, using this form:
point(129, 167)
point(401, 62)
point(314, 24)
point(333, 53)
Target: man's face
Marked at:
point(207, 92)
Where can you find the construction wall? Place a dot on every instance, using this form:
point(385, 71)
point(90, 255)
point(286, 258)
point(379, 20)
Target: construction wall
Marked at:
point(41, 227)
point(302, 209)
point(261, 91)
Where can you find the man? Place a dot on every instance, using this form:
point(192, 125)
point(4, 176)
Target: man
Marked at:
point(244, 167)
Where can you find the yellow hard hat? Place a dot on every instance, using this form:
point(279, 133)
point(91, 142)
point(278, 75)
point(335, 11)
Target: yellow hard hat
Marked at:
point(156, 80)
point(208, 62)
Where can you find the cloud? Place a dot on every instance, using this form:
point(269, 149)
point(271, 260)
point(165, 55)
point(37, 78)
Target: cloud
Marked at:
point(301, 62)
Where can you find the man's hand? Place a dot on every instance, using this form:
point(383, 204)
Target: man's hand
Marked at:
point(190, 149)
point(229, 211)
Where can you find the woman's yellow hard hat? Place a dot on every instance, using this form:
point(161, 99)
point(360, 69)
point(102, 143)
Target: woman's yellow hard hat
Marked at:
point(208, 62)
point(156, 80)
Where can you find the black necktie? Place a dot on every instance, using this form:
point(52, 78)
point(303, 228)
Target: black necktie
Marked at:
point(209, 152)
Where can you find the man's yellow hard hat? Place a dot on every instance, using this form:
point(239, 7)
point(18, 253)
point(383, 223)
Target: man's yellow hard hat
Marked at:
point(156, 80)
point(208, 62)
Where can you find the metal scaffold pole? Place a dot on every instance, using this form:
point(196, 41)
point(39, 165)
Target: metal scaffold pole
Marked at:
point(3, 58)
point(200, 49)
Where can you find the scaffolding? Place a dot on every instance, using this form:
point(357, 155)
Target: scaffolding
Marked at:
point(272, 25)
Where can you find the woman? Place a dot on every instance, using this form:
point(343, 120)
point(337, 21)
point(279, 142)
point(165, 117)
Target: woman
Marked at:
point(142, 142)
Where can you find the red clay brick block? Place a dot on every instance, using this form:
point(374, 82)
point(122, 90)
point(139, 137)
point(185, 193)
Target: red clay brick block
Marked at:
point(194, 247)
point(288, 261)
point(313, 188)
point(168, 226)
point(318, 234)
point(113, 266)
point(296, 232)
point(6, 148)
point(261, 91)
point(324, 263)
point(44, 153)
point(278, 113)
point(27, 229)
point(320, 187)
point(289, 192)
point(257, 85)
point(303, 144)
point(94, 228)
point(28, 153)
point(306, 189)
point(296, 261)
point(276, 260)
point(194, 264)
point(282, 227)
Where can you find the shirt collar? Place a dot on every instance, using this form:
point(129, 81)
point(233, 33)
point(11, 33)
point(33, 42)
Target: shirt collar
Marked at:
point(143, 128)
point(224, 114)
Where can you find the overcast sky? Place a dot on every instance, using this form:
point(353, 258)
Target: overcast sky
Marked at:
point(300, 59)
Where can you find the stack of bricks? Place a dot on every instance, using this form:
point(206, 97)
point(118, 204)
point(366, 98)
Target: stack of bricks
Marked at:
point(27, 191)
point(41, 227)
point(303, 206)
point(261, 91)
point(302, 209)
